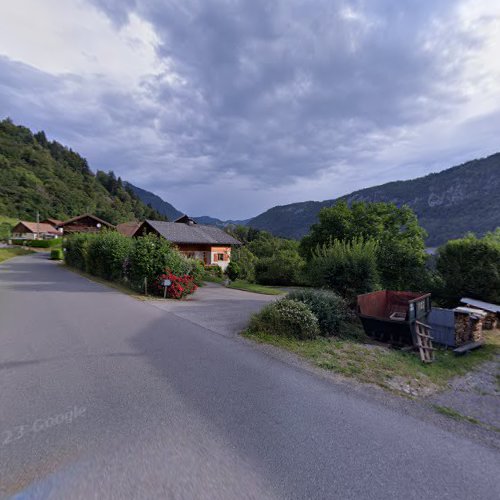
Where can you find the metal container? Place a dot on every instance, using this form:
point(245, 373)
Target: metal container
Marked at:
point(390, 316)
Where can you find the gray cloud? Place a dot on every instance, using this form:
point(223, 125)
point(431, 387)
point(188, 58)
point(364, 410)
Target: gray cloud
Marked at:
point(273, 96)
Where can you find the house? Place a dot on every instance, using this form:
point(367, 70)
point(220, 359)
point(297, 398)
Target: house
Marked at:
point(53, 222)
point(86, 223)
point(34, 231)
point(128, 228)
point(209, 244)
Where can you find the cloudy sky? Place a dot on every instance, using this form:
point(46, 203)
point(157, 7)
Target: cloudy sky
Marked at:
point(229, 107)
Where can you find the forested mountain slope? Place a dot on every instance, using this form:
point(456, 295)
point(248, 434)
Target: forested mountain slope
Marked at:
point(448, 204)
point(44, 176)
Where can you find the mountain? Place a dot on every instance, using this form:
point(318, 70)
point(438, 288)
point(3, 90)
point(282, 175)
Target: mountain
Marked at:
point(213, 221)
point(156, 202)
point(448, 204)
point(45, 176)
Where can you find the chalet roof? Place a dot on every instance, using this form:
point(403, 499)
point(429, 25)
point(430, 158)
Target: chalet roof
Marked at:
point(32, 227)
point(481, 305)
point(54, 222)
point(78, 217)
point(128, 228)
point(190, 233)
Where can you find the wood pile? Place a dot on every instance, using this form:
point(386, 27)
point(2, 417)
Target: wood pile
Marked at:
point(468, 325)
point(491, 321)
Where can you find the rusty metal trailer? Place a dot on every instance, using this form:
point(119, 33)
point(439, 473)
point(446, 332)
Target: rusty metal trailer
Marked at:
point(392, 316)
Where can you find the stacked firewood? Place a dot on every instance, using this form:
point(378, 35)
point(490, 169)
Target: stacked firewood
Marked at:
point(468, 328)
point(491, 321)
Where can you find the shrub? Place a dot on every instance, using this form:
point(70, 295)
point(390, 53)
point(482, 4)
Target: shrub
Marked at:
point(348, 267)
point(285, 267)
point(56, 254)
point(107, 253)
point(76, 247)
point(213, 271)
point(233, 271)
point(196, 269)
point(330, 309)
point(150, 257)
point(179, 288)
point(469, 267)
point(287, 318)
point(38, 243)
point(243, 261)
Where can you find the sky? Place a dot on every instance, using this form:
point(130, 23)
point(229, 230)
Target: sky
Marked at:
point(229, 107)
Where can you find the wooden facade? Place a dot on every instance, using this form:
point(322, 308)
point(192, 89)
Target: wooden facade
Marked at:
point(85, 224)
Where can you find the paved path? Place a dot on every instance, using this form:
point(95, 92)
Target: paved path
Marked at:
point(222, 310)
point(104, 396)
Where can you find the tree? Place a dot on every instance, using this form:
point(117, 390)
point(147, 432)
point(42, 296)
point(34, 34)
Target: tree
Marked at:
point(347, 267)
point(400, 251)
point(470, 267)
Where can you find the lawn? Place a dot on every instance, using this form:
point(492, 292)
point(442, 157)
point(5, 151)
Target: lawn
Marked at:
point(253, 287)
point(8, 253)
point(389, 368)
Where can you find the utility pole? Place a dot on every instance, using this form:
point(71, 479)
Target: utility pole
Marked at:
point(37, 225)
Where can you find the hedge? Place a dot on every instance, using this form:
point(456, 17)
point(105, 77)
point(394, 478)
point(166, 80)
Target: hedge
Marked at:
point(38, 243)
point(56, 254)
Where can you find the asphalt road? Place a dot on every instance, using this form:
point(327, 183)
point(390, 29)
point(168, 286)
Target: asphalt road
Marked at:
point(104, 396)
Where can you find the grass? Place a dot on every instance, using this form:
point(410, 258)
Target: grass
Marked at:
point(253, 287)
point(389, 368)
point(8, 253)
point(454, 414)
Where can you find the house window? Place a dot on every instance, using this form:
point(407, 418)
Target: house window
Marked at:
point(220, 256)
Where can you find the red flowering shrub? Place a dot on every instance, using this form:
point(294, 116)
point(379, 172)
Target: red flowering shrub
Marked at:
point(180, 285)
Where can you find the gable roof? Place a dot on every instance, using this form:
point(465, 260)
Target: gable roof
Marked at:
point(185, 219)
point(32, 227)
point(78, 217)
point(54, 222)
point(487, 306)
point(128, 228)
point(185, 233)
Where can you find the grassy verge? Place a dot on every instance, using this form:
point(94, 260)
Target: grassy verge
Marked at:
point(253, 287)
point(8, 253)
point(389, 368)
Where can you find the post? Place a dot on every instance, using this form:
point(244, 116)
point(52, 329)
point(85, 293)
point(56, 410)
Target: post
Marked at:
point(37, 225)
point(164, 292)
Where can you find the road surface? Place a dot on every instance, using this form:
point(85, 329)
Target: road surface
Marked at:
point(105, 396)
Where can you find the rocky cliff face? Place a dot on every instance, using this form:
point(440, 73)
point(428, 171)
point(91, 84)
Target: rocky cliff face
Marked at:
point(448, 204)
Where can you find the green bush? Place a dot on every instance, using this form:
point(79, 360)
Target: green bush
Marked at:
point(285, 267)
point(106, 255)
point(243, 261)
point(150, 257)
point(56, 254)
point(330, 309)
point(347, 267)
point(233, 271)
point(287, 318)
point(469, 267)
point(213, 271)
point(76, 247)
point(196, 269)
point(38, 243)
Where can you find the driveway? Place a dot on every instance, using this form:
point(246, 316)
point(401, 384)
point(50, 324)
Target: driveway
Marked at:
point(105, 396)
point(222, 310)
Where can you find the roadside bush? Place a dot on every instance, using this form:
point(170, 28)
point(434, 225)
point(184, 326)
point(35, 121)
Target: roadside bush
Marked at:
point(56, 254)
point(347, 267)
point(213, 271)
point(106, 254)
point(196, 269)
point(38, 243)
point(285, 267)
point(469, 267)
point(287, 318)
point(76, 247)
point(243, 267)
point(233, 271)
point(330, 309)
point(180, 287)
point(150, 257)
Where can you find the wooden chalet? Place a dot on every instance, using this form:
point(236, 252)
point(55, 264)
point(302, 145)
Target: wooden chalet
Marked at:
point(86, 223)
point(209, 244)
point(26, 230)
